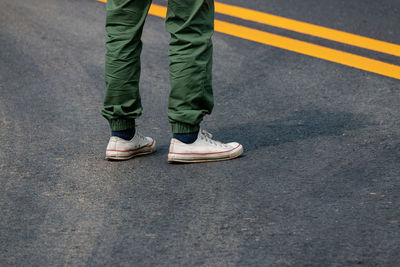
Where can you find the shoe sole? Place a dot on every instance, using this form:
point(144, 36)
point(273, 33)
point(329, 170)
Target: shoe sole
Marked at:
point(135, 153)
point(197, 158)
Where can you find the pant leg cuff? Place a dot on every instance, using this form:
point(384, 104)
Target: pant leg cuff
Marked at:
point(121, 124)
point(184, 128)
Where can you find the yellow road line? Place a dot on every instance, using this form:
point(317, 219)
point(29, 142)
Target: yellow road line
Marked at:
point(307, 28)
point(297, 46)
point(158, 11)
point(301, 47)
point(313, 50)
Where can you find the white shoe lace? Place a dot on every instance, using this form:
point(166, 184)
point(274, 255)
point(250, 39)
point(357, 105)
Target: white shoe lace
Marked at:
point(141, 137)
point(206, 136)
point(137, 134)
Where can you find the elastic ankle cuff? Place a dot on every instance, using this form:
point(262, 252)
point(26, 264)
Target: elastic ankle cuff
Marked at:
point(184, 128)
point(121, 124)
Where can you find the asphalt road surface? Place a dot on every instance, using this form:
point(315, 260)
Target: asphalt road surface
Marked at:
point(318, 184)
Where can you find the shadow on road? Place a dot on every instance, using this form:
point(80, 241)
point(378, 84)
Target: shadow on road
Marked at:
point(300, 125)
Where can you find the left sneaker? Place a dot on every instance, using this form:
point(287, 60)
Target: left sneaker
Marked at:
point(121, 149)
point(203, 149)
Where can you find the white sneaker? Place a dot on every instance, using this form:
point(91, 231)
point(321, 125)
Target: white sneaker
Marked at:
point(203, 149)
point(121, 149)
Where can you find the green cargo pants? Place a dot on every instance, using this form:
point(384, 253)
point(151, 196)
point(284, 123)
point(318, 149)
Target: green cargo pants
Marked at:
point(191, 25)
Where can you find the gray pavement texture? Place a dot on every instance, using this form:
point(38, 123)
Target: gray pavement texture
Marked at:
point(318, 184)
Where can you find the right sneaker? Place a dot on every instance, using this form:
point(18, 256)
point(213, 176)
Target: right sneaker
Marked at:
point(121, 149)
point(203, 149)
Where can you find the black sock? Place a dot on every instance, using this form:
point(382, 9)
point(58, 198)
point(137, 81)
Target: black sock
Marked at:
point(187, 138)
point(127, 134)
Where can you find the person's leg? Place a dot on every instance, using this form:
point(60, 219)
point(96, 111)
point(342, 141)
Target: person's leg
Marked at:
point(124, 26)
point(191, 25)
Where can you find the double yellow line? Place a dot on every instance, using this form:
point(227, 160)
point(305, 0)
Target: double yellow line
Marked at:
point(298, 46)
